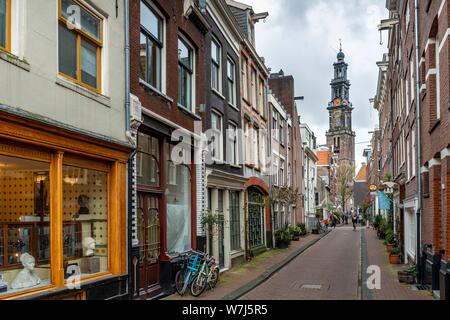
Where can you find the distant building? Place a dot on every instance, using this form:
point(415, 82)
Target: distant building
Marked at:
point(309, 174)
point(360, 188)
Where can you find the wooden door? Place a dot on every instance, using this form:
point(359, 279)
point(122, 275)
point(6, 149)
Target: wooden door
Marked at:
point(148, 226)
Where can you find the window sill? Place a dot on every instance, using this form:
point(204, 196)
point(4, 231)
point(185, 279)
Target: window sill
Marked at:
point(235, 166)
point(434, 126)
point(247, 102)
point(104, 100)
point(217, 93)
point(410, 180)
point(218, 161)
point(155, 91)
point(233, 106)
point(189, 113)
point(14, 60)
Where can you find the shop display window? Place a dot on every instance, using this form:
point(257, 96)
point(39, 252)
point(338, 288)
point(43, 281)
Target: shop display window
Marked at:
point(85, 209)
point(24, 225)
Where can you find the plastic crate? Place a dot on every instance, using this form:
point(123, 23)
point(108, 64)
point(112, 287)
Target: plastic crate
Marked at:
point(194, 263)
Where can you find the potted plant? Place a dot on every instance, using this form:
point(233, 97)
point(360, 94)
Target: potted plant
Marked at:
point(296, 233)
point(409, 275)
point(389, 240)
point(283, 238)
point(303, 231)
point(394, 257)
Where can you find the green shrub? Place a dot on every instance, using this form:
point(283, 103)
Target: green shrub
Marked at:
point(390, 236)
point(302, 227)
point(284, 235)
point(377, 222)
point(295, 231)
point(413, 270)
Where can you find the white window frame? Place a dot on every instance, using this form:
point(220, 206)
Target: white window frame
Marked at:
point(408, 159)
point(275, 171)
point(232, 95)
point(275, 125)
point(407, 97)
point(233, 143)
point(217, 134)
point(245, 82)
point(282, 172)
point(163, 74)
point(193, 76)
point(248, 144)
point(218, 64)
point(254, 88)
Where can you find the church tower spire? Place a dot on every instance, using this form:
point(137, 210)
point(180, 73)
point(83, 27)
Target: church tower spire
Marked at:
point(340, 136)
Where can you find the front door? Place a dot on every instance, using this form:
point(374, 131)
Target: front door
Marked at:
point(221, 228)
point(256, 222)
point(148, 229)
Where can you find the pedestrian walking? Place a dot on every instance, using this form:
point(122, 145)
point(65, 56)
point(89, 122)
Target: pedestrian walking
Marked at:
point(333, 221)
point(354, 221)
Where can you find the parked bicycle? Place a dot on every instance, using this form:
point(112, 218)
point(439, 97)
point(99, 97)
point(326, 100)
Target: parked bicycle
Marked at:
point(320, 226)
point(191, 262)
point(208, 275)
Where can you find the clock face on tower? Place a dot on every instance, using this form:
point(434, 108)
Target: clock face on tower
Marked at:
point(337, 102)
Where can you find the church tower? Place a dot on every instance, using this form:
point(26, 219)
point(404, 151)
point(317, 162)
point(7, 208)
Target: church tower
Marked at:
point(340, 136)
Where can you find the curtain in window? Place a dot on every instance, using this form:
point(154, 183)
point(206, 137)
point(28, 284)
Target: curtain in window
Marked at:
point(179, 212)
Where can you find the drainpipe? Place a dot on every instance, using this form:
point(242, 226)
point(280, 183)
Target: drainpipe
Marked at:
point(418, 142)
point(272, 208)
point(127, 130)
point(127, 67)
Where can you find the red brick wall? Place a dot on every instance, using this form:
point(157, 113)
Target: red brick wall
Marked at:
point(284, 89)
point(435, 177)
point(176, 24)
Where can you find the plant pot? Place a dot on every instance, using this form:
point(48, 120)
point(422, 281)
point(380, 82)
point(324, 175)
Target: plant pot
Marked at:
point(404, 277)
point(390, 247)
point(394, 258)
point(282, 244)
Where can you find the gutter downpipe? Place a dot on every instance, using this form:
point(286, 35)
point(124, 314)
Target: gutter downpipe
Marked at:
point(272, 208)
point(132, 155)
point(419, 149)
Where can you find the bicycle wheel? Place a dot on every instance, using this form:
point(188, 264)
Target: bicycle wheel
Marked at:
point(214, 279)
point(198, 285)
point(179, 282)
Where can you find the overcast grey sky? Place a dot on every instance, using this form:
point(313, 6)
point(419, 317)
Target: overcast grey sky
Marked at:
point(302, 38)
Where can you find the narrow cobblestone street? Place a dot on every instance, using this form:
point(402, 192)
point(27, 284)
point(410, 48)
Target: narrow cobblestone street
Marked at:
point(321, 269)
point(328, 270)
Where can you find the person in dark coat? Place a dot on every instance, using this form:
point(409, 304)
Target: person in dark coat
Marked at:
point(354, 220)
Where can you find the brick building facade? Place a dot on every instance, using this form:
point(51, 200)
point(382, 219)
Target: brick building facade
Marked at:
point(283, 87)
point(420, 142)
point(167, 76)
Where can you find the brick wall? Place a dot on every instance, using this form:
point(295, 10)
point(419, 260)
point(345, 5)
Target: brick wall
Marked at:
point(176, 24)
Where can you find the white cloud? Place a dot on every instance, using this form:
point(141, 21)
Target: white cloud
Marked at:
point(302, 38)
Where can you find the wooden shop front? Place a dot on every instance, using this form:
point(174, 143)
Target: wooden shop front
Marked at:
point(62, 213)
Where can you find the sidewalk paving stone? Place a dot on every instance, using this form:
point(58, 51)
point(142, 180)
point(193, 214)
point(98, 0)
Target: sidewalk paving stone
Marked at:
point(391, 288)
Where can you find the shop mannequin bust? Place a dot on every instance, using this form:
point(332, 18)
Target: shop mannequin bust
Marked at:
point(89, 246)
point(26, 278)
